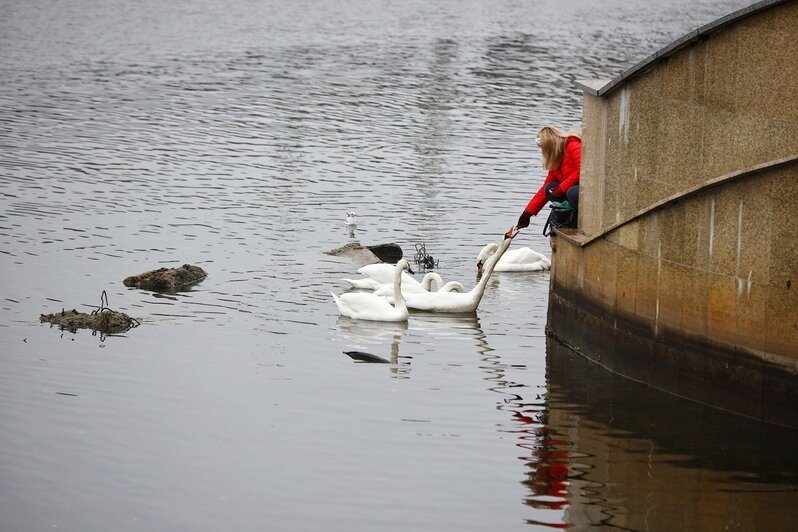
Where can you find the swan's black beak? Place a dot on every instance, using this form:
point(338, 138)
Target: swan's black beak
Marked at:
point(410, 271)
point(479, 270)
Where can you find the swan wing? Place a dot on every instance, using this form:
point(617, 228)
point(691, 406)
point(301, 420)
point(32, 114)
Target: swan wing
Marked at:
point(386, 291)
point(538, 266)
point(521, 255)
point(522, 260)
point(381, 272)
point(366, 283)
point(367, 306)
point(453, 302)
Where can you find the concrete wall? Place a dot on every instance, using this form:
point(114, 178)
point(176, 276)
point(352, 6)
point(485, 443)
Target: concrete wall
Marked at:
point(688, 223)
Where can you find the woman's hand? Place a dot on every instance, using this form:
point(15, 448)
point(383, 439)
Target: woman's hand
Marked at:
point(523, 220)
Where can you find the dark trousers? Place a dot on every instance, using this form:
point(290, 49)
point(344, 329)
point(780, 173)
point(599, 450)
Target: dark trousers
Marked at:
point(572, 194)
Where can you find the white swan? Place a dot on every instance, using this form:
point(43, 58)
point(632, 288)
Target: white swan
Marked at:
point(458, 302)
point(419, 288)
point(378, 275)
point(369, 283)
point(367, 306)
point(518, 260)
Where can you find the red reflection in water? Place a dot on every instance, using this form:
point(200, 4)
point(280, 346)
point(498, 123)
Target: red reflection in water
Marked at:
point(549, 461)
point(545, 455)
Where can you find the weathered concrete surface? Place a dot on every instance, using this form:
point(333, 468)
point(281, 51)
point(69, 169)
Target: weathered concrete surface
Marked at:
point(717, 375)
point(167, 279)
point(683, 270)
point(725, 102)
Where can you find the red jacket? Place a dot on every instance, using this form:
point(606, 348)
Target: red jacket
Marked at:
point(567, 175)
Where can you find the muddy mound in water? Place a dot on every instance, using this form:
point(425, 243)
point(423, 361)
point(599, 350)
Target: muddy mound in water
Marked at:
point(102, 319)
point(107, 321)
point(167, 279)
point(368, 254)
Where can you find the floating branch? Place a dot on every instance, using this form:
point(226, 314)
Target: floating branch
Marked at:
point(423, 259)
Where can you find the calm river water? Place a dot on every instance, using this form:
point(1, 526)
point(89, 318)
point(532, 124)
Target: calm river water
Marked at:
point(235, 136)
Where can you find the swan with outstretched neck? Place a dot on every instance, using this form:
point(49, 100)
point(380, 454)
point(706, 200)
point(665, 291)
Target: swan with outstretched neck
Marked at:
point(367, 306)
point(460, 302)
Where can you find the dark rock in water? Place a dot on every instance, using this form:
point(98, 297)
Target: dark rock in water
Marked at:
point(369, 254)
point(167, 279)
point(391, 253)
point(107, 321)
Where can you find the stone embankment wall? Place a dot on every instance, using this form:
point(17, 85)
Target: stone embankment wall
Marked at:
point(685, 261)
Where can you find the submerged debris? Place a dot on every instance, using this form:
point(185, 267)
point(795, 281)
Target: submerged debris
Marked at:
point(103, 319)
point(167, 279)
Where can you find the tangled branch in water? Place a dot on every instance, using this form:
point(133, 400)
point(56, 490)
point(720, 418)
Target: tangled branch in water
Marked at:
point(423, 259)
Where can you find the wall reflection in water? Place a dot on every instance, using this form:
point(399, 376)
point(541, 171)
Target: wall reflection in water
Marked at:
point(615, 452)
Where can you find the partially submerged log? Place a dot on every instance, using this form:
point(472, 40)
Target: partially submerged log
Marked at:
point(107, 321)
point(167, 279)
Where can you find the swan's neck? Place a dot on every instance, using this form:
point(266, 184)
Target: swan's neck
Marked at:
point(426, 283)
point(479, 289)
point(399, 300)
point(486, 251)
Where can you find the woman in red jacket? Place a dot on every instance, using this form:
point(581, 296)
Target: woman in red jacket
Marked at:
point(562, 156)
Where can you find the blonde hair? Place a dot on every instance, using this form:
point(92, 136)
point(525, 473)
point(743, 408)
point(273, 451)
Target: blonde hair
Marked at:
point(552, 144)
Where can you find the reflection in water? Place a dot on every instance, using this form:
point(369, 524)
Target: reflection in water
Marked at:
point(443, 325)
point(602, 451)
point(636, 458)
point(364, 335)
point(543, 452)
point(351, 224)
point(519, 281)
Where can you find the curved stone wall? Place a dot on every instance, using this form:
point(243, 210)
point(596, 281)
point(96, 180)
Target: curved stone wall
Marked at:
point(686, 256)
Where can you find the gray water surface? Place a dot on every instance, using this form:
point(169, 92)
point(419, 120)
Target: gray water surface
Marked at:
point(235, 136)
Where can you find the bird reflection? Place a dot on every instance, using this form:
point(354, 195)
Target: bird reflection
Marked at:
point(438, 324)
point(351, 223)
point(367, 339)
